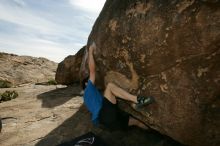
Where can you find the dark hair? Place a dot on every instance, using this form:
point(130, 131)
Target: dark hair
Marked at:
point(84, 82)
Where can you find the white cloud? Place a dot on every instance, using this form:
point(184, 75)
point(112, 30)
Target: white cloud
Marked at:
point(35, 47)
point(20, 2)
point(94, 6)
point(46, 28)
point(26, 18)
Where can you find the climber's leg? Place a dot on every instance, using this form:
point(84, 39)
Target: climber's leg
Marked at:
point(112, 91)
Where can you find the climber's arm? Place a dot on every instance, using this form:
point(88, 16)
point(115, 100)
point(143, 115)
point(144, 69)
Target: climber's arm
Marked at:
point(92, 63)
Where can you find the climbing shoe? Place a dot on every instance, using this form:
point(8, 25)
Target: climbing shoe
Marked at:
point(144, 101)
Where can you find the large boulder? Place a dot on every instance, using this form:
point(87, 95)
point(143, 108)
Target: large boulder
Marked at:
point(169, 50)
point(68, 70)
point(16, 70)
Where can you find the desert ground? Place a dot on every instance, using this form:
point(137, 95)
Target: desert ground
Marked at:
point(49, 115)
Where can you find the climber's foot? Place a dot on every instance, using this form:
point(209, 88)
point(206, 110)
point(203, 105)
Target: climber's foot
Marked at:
point(142, 101)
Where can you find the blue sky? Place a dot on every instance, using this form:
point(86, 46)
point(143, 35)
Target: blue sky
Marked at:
point(52, 29)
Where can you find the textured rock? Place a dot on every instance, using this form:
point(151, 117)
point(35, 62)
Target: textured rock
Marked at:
point(170, 50)
point(68, 70)
point(25, 69)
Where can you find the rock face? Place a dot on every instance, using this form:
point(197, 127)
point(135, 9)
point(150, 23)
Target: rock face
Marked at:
point(68, 70)
point(169, 50)
point(25, 69)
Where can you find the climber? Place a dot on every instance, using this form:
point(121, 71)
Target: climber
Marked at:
point(104, 109)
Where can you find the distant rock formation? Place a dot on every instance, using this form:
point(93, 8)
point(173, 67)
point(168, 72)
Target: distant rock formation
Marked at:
point(169, 50)
point(68, 70)
point(25, 69)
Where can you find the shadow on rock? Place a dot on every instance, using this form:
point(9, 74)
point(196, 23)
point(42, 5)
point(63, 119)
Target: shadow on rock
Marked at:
point(80, 124)
point(58, 96)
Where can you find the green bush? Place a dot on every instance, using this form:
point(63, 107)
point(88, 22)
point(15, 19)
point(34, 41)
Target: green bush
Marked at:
point(52, 82)
point(5, 84)
point(8, 95)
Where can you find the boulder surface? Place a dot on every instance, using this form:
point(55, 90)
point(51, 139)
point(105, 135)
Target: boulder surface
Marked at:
point(68, 70)
point(171, 51)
